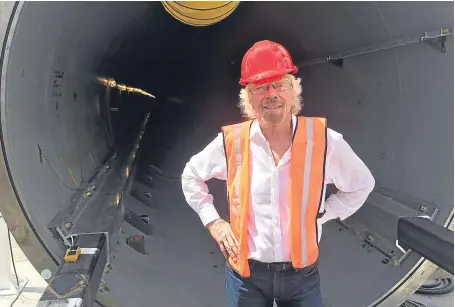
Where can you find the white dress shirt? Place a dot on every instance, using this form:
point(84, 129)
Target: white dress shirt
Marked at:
point(269, 238)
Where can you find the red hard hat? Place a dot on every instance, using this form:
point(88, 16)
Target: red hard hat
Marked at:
point(266, 61)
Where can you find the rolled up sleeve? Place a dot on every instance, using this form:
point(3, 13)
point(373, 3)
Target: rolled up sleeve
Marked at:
point(207, 164)
point(352, 178)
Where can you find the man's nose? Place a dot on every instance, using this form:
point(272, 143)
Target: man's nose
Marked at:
point(271, 91)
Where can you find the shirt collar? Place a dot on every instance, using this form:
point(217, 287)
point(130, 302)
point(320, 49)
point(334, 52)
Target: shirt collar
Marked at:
point(256, 129)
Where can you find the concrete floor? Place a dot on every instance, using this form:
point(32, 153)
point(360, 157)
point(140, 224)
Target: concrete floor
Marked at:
point(445, 300)
point(35, 285)
point(30, 281)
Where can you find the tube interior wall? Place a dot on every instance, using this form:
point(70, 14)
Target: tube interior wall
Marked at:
point(394, 107)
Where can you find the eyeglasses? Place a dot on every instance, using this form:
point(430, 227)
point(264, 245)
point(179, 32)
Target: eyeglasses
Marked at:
point(279, 86)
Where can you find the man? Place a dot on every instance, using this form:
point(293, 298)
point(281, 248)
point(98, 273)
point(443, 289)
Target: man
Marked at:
point(276, 165)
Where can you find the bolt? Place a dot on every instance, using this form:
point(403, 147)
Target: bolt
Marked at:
point(423, 208)
point(68, 225)
point(443, 47)
point(369, 237)
point(46, 274)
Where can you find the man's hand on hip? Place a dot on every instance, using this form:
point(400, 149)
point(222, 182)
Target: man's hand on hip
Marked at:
point(222, 233)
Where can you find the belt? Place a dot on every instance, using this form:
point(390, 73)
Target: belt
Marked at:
point(271, 266)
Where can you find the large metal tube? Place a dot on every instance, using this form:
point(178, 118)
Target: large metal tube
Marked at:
point(394, 106)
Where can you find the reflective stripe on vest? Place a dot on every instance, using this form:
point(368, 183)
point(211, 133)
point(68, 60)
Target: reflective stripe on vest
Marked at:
point(306, 188)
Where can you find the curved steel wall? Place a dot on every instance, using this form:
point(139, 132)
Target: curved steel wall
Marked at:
point(395, 107)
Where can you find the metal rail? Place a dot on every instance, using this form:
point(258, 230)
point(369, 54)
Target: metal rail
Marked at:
point(92, 223)
point(437, 38)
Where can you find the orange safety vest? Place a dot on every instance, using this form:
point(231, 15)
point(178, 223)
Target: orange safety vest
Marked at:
point(306, 188)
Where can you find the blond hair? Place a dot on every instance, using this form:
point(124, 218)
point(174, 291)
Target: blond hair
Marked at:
point(247, 109)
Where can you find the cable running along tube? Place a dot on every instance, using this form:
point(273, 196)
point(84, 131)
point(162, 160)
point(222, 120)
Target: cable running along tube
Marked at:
point(436, 286)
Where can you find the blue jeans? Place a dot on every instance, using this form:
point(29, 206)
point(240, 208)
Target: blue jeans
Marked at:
point(292, 288)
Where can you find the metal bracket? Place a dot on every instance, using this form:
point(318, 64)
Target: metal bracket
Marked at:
point(407, 253)
point(148, 195)
point(146, 180)
point(140, 222)
point(437, 40)
point(137, 243)
point(144, 197)
point(76, 283)
point(337, 62)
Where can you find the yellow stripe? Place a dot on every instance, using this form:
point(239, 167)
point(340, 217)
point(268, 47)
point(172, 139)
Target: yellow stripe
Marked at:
point(298, 162)
point(202, 5)
point(202, 15)
point(72, 177)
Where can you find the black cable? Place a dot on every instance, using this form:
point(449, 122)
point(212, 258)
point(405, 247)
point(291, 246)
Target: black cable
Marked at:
point(411, 303)
point(15, 271)
point(12, 303)
point(18, 294)
point(56, 174)
point(79, 286)
point(99, 303)
point(12, 257)
point(436, 286)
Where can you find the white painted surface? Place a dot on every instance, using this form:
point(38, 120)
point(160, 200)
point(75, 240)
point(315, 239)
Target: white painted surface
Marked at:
point(72, 302)
point(30, 280)
point(445, 300)
point(6, 277)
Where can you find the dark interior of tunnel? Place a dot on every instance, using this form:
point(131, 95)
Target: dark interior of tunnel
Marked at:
point(192, 71)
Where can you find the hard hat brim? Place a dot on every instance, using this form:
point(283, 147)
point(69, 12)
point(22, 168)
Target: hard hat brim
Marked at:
point(268, 76)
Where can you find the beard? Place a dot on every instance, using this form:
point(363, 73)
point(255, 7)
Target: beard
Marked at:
point(272, 110)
